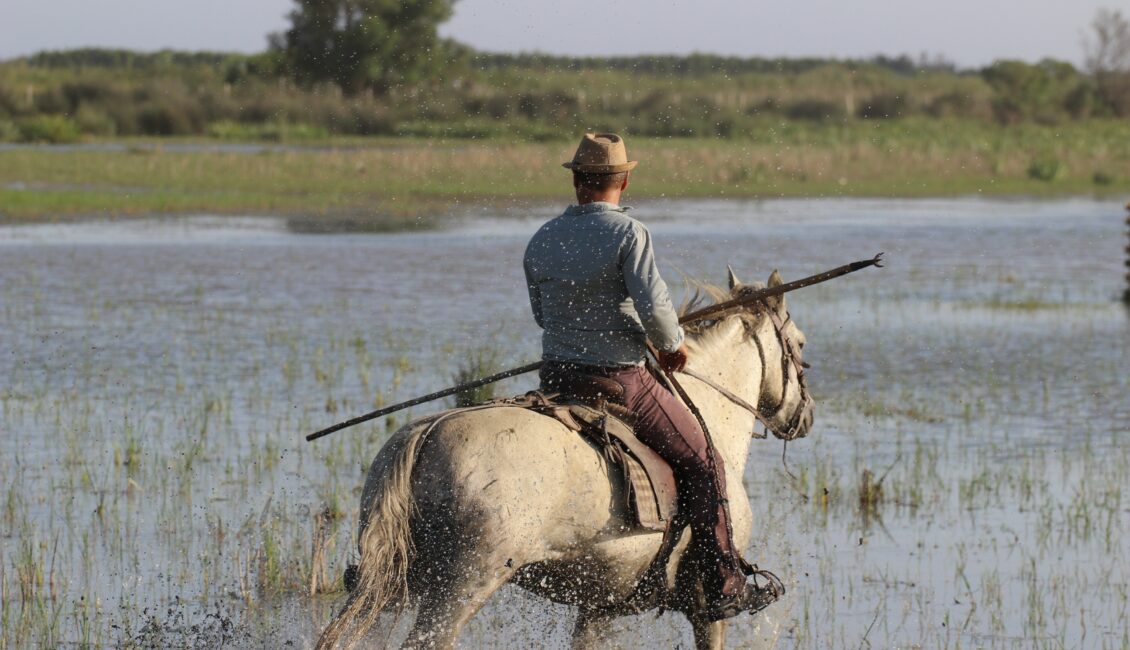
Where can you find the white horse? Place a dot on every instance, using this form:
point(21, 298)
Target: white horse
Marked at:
point(505, 494)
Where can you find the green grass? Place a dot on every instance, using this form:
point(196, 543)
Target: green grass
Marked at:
point(400, 178)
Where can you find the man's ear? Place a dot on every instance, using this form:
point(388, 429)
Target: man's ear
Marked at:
point(624, 185)
point(576, 180)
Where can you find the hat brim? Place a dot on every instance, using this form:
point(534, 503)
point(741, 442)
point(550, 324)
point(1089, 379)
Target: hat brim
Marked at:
point(600, 169)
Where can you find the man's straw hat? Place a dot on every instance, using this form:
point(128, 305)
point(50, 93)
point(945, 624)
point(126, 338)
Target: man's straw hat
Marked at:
point(601, 153)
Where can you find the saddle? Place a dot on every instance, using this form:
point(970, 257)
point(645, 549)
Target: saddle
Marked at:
point(649, 482)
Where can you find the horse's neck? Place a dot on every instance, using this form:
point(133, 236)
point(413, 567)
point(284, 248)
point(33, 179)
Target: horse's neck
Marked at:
point(729, 358)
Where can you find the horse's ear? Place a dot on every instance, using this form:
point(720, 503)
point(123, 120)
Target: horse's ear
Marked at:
point(776, 302)
point(733, 278)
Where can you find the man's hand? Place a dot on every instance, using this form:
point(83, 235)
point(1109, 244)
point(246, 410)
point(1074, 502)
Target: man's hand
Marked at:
point(674, 361)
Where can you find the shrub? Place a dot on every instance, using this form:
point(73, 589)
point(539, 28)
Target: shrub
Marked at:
point(370, 119)
point(529, 105)
point(883, 105)
point(215, 106)
point(1046, 169)
point(53, 129)
point(767, 105)
point(559, 104)
point(94, 121)
point(959, 104)
point(725, 127)
point(168, 107)
point(654, 102)
point(10, 103)
point(9, 132)
point(1007, 111)
point(1083, 101)
point(1102, 178)
point(77, 93)
point(50, 100)
point(1037, 91)
point(815, 110)
point(498, 106)
point(165, 119)
point(124, 115)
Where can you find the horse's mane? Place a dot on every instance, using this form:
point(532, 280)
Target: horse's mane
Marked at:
point(704, 294)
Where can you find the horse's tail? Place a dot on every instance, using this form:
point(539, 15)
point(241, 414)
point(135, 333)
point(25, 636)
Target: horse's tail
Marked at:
point(387, 550)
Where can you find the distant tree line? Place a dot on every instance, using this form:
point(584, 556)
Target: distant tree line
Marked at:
point(699, 64)
point(117, 59)
point(348, 67)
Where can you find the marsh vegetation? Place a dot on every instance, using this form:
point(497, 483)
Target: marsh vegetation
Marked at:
point(396, 184)
point(965, 484)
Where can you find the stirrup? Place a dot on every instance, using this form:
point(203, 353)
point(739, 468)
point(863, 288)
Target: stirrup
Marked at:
point(761, 597)
point(753, 598)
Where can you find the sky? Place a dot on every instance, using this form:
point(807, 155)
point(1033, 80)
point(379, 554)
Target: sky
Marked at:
point(970, 33)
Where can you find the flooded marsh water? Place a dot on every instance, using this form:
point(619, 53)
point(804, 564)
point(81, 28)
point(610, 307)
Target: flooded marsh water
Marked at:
point(157, 378)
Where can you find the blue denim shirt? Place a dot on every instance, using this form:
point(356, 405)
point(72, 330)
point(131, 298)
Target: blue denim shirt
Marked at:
point(595, 290)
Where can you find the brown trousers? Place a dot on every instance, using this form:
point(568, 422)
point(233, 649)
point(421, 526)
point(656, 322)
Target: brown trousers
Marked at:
point(666, 426)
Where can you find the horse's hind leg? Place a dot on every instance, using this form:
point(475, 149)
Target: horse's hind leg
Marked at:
point(707, 635)
point(444, 609)
point(591, 630)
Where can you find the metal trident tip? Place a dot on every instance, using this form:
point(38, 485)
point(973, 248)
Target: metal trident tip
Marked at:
point(878, 261)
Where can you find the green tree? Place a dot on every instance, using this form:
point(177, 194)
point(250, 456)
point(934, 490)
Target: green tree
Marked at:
point(364, 44)
point(1108, 59)
point(1030, 91)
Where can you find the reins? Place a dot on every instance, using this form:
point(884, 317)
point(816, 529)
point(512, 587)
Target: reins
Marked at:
point(790, 355)
point(711, 457)
point(728, 394)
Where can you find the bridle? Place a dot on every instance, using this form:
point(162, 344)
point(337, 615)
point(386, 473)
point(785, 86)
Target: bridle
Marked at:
point(790, 355)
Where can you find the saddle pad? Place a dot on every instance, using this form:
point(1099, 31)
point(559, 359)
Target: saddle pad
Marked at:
point(651, 483)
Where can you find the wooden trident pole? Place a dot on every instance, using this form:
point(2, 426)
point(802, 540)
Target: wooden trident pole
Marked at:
point(747, 298)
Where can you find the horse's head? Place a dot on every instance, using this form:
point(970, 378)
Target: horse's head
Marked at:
point(784, 403)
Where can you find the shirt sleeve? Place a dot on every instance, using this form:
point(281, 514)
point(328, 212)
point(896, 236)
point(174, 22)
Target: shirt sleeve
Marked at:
point(648, 291)
point(535, 292)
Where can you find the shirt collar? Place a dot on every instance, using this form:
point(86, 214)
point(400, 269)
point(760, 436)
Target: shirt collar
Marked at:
point(594, 207)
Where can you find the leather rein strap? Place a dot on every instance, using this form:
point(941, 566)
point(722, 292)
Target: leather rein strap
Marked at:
point(728, 394)
point(790, 356)
point(711, 456)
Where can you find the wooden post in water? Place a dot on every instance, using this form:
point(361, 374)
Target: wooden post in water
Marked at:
point(1126, 294)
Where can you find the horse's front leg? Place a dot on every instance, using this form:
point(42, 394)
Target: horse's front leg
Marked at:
point(708, 635)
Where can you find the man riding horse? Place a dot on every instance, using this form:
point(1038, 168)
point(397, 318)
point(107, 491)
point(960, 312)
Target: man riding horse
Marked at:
point(597, 294)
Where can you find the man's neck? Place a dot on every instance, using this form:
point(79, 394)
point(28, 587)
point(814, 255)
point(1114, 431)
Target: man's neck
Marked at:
point(585, 196)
